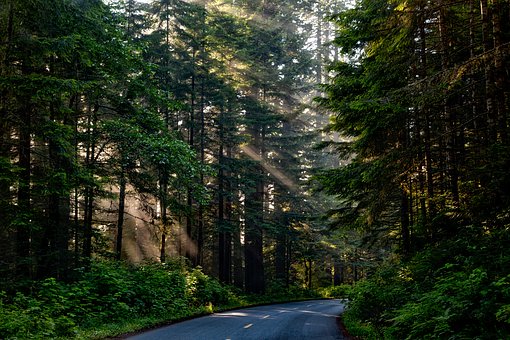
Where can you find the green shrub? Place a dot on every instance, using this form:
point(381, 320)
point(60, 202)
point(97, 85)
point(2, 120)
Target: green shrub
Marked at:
point(28, 318)
point(460, 305)
point(112, 297)
point(202, 289)
point(373, 301)
point(456, 289)
point(337, 292)
point(110, 292)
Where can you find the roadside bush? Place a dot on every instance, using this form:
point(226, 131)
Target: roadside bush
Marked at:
point(25, 317)
point(372, 301)
point(461, 305)
point(277, 291)
point(336, 292)
point(158, 290)
point(457, 289)
point(202, 289)
point(110, 292)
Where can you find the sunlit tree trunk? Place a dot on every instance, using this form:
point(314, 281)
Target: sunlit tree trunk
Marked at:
point(163, 205)
point(201, 216)
point(191, 141)
point(254, 211)
point(224, 210)
point(319, 52)
point(90, 154)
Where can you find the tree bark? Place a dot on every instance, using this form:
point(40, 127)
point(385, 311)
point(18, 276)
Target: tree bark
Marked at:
point(120, 216)
point(163, 204)
point(487, 43)
point(89, 189)
point(23, 267)
point(404, 221)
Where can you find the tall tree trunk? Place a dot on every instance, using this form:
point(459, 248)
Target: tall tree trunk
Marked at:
point(254, 267)
point(58, 210)
point(225, 236)
point(404, 222)
point(8, 38)
point(450, 115)
point(76, 101)
point(120, 216)
point(319, 52)
point(6, 131)
point(238, 248)
point(424, 153)
point(237, 261)
point(500, 72)
point(338, 277)
point(23, 267)
point(201, 222)
point(191, 139)
point(163, 205)
point(487, 44)
point(254, 213)
point(89, 188)
point(281, 270)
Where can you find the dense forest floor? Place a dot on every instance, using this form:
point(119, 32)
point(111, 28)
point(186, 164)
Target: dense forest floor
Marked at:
point(455, 290)
point(114, 298)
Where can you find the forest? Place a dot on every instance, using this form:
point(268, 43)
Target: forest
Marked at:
point(167, 158)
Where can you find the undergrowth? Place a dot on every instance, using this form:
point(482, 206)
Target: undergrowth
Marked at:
point(114, 298)
point(458, 289)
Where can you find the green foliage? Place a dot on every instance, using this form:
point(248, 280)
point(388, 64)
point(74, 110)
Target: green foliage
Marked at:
point(25, 317)
point(109, 293)
point(202, 289)
point(422, 180)
point(459, 305)
point(448, 291)
point(114, 298)
point(277, 291)
point(336, 292)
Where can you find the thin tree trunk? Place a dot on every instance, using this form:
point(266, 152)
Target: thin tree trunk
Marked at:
point(500, 72)
point(58, 212)
point(163, 204)
point(224, 237)
point(404, 221)
point(338, 277)
point(486, 15)
point(89, 190)
point(425, 155)
point(238, 257)
point(281, 270)
point(191, 140)
point(23, 267)
point(200, 231)
point(449, 112)
point(120, 216)
point(319, 43)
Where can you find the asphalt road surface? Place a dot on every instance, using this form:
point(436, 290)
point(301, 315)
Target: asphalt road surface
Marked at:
point(315, 319)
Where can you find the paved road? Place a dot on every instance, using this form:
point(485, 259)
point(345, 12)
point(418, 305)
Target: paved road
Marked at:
point(296, 320)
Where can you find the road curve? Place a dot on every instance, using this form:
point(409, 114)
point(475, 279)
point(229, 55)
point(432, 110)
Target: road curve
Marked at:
point(316, 319)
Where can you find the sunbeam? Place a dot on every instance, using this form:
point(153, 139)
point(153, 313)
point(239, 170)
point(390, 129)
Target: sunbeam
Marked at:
point(282, 178)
